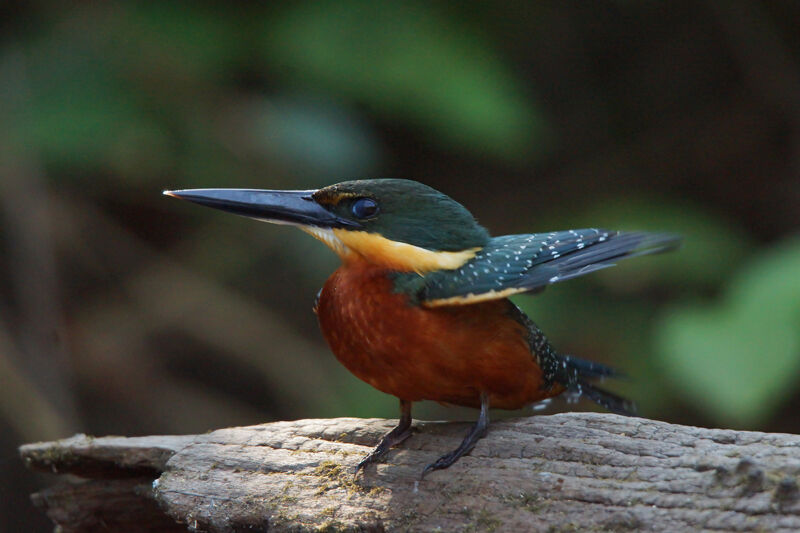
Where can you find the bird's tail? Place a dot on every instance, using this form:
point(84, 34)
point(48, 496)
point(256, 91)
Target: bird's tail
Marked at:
point(580, 371)
point(572, 373)
point(603, 398)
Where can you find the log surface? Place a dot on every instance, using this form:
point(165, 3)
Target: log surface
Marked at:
point(566, 472)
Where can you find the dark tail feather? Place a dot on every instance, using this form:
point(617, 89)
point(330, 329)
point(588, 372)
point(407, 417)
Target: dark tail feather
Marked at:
point(603, 398)
point(590, 369)
point(573, 373)
point(580, 371)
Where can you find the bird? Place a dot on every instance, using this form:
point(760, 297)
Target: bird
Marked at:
point(420, 307)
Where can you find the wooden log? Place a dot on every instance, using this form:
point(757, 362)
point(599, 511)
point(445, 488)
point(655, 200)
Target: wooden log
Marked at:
point(566, 472)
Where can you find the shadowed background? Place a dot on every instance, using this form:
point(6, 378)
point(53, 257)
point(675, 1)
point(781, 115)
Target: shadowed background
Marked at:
point(125, 312)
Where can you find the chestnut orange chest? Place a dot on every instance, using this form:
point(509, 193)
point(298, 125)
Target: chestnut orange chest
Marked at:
point(449, 354)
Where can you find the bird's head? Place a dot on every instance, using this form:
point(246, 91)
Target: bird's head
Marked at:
point(400, 224)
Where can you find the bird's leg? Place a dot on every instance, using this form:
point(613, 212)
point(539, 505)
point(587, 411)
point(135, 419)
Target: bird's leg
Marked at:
point(397, 435)
point(476, 433)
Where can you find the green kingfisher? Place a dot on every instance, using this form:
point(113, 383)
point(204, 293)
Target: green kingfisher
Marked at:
point(420, 308)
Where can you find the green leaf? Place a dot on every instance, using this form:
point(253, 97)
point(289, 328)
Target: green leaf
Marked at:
point(740, 358)
point(409, 61)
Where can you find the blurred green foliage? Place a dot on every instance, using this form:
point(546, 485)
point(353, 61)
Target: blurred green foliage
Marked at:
point(738, 357)
point(121, 312)
point(109, 85)
point(411, 62)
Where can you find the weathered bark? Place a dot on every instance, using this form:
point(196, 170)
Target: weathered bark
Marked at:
point(577, 471)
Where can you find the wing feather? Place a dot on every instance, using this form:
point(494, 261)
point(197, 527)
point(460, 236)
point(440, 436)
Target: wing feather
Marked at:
point(527, 263)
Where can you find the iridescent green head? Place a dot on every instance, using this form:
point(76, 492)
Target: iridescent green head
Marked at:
point(404, 211)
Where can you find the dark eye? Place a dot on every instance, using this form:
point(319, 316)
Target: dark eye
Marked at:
point(365, 208)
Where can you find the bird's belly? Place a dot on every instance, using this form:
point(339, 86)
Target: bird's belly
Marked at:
point(447, 354)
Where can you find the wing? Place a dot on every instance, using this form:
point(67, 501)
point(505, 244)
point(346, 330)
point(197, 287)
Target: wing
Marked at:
point(513, 264)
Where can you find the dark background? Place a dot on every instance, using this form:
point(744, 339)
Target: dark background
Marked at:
point(125, 312)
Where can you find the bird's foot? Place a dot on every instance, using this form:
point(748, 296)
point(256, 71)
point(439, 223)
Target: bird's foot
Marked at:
point(443, 462)
point(393, 438)
point(449, 459)
point(477, 432)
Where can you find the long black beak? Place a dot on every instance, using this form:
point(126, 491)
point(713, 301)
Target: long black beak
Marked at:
point(282, 207)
